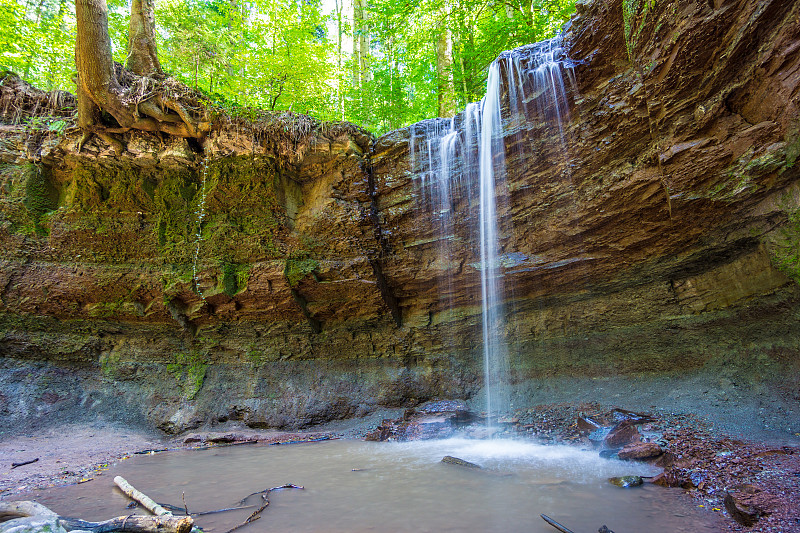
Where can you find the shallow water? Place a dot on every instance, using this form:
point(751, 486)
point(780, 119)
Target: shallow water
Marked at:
point(353, 486)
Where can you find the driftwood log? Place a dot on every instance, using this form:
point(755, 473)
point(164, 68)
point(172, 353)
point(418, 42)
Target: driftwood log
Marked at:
point(132, 524)
point(22, 509)
point(127, 524)
point(146, 501)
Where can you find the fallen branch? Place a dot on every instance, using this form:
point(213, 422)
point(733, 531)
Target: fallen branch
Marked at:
point(132, 524)
point(203, 513)
point(265, 492)
point(21, 509)
point(23, 463)
point(555, 524)
point(146, 501)
point(127, 524)
point(255, 515)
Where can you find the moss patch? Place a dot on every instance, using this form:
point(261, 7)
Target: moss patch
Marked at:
point(298, 267)
point(242, 211)
point(786, 246)
point(792, 146)
point(41, 196)
point(189, 369)
point(634, 17)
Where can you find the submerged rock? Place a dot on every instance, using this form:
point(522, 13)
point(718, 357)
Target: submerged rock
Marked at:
point(586, 425)
point(449, 459)
point(626, 481)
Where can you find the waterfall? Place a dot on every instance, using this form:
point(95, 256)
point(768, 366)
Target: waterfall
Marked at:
point(466, 156)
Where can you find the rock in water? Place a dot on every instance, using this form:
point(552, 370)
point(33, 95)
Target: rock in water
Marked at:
point(640, 450)
point(449, 459)
point(622, 434)
point(626, 481)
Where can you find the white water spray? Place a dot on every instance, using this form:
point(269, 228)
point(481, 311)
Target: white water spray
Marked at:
point(531, 94)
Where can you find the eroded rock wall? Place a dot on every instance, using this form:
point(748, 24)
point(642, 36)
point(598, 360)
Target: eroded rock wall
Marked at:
point(281, 286)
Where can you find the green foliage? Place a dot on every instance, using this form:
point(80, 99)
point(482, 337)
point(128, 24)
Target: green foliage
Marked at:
point(403, 88)
point(268, 55)
point(634, 17)
point(288, 55)
point(190, 369)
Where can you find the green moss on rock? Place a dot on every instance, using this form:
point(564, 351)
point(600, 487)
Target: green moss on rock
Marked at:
point(298, 267)
point(786, 246)
point(189, 369)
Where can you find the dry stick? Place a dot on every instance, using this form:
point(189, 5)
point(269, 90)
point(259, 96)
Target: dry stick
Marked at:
point(146, 501)
point(23, 463)
point(555, 524)
point(265, 497)
point(267, 491)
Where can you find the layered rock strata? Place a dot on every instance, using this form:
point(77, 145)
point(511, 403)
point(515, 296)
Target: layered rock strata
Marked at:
point(282, 284)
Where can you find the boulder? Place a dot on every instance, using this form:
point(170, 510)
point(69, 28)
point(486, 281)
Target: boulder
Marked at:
point(640, 451)
point(622, 434)
point(748, 503)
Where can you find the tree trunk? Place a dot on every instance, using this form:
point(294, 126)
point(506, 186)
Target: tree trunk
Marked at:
point(98, 87)
point(142, 51)
point(444, 71)
point(340, 32)
point(361, 42)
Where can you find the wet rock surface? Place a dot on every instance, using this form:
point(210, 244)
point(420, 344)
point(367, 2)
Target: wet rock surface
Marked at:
point(626, 482)
point(640, 450)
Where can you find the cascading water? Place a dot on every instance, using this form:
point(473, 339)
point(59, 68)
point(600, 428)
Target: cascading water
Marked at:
point(525, 93)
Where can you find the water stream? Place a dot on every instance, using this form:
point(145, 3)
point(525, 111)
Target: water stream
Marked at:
point(451, 158)
point(355, 486)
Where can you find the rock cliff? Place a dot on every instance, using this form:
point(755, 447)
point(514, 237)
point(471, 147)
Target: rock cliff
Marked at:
point(287, 279)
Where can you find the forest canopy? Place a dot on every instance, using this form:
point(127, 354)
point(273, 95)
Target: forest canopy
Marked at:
point(382, 64)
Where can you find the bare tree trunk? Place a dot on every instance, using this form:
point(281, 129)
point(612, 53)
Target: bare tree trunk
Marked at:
point(340, 30)
point(142, 51)
point(444, 71)
point(361, 42)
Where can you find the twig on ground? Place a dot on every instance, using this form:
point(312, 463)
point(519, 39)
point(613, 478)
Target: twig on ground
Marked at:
point(23, 463)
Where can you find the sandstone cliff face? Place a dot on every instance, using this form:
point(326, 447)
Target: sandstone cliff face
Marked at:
point(283, 285)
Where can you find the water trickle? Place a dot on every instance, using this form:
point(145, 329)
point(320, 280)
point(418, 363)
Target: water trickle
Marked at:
point(526, 96)
point(201, 213)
